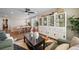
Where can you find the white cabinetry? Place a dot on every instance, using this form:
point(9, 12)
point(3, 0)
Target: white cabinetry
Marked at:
point(54, 25)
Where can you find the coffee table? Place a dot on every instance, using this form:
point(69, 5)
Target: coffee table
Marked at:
point(34, 43)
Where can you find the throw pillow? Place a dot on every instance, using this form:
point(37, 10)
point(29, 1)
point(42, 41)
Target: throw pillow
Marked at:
point(2, 36)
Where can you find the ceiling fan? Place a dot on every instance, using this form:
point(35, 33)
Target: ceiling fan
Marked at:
point(28, 11)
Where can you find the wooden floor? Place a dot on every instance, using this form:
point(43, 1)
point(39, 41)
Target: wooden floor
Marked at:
point(19, 40)
point(21, 44)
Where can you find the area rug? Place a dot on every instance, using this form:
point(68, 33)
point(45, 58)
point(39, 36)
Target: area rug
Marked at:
point(16, 47)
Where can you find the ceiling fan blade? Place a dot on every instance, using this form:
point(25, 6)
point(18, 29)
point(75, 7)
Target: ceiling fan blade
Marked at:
point(27, 10)
point(31, 12)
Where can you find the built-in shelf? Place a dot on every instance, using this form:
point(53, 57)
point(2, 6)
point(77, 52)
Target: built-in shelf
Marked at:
point(53, 25)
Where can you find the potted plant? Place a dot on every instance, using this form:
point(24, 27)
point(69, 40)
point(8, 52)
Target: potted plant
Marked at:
point(75, 23)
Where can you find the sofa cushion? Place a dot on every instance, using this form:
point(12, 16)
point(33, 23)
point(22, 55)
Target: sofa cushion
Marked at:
point(74, 41)
point(9, 48)
point(63, 46)
point(5, 44)
point(2, 36)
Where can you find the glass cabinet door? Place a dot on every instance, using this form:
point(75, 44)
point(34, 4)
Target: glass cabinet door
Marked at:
point(56, 21)
point(61, 18)
point(40, 21)
point(51, 20)
point(44, 21)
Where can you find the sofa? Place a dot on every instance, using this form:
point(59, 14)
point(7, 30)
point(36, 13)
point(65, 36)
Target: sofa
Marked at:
point(73, 44)
point(6, 42)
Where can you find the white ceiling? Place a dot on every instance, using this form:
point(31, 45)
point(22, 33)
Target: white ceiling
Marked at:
point(17, 12)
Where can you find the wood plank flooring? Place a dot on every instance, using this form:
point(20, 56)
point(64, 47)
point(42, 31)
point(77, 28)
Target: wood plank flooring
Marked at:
point(19, 40)
point(21, 44)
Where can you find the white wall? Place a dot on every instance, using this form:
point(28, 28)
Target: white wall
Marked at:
point(71, 12)
point(0, 23)
point(14, 21)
